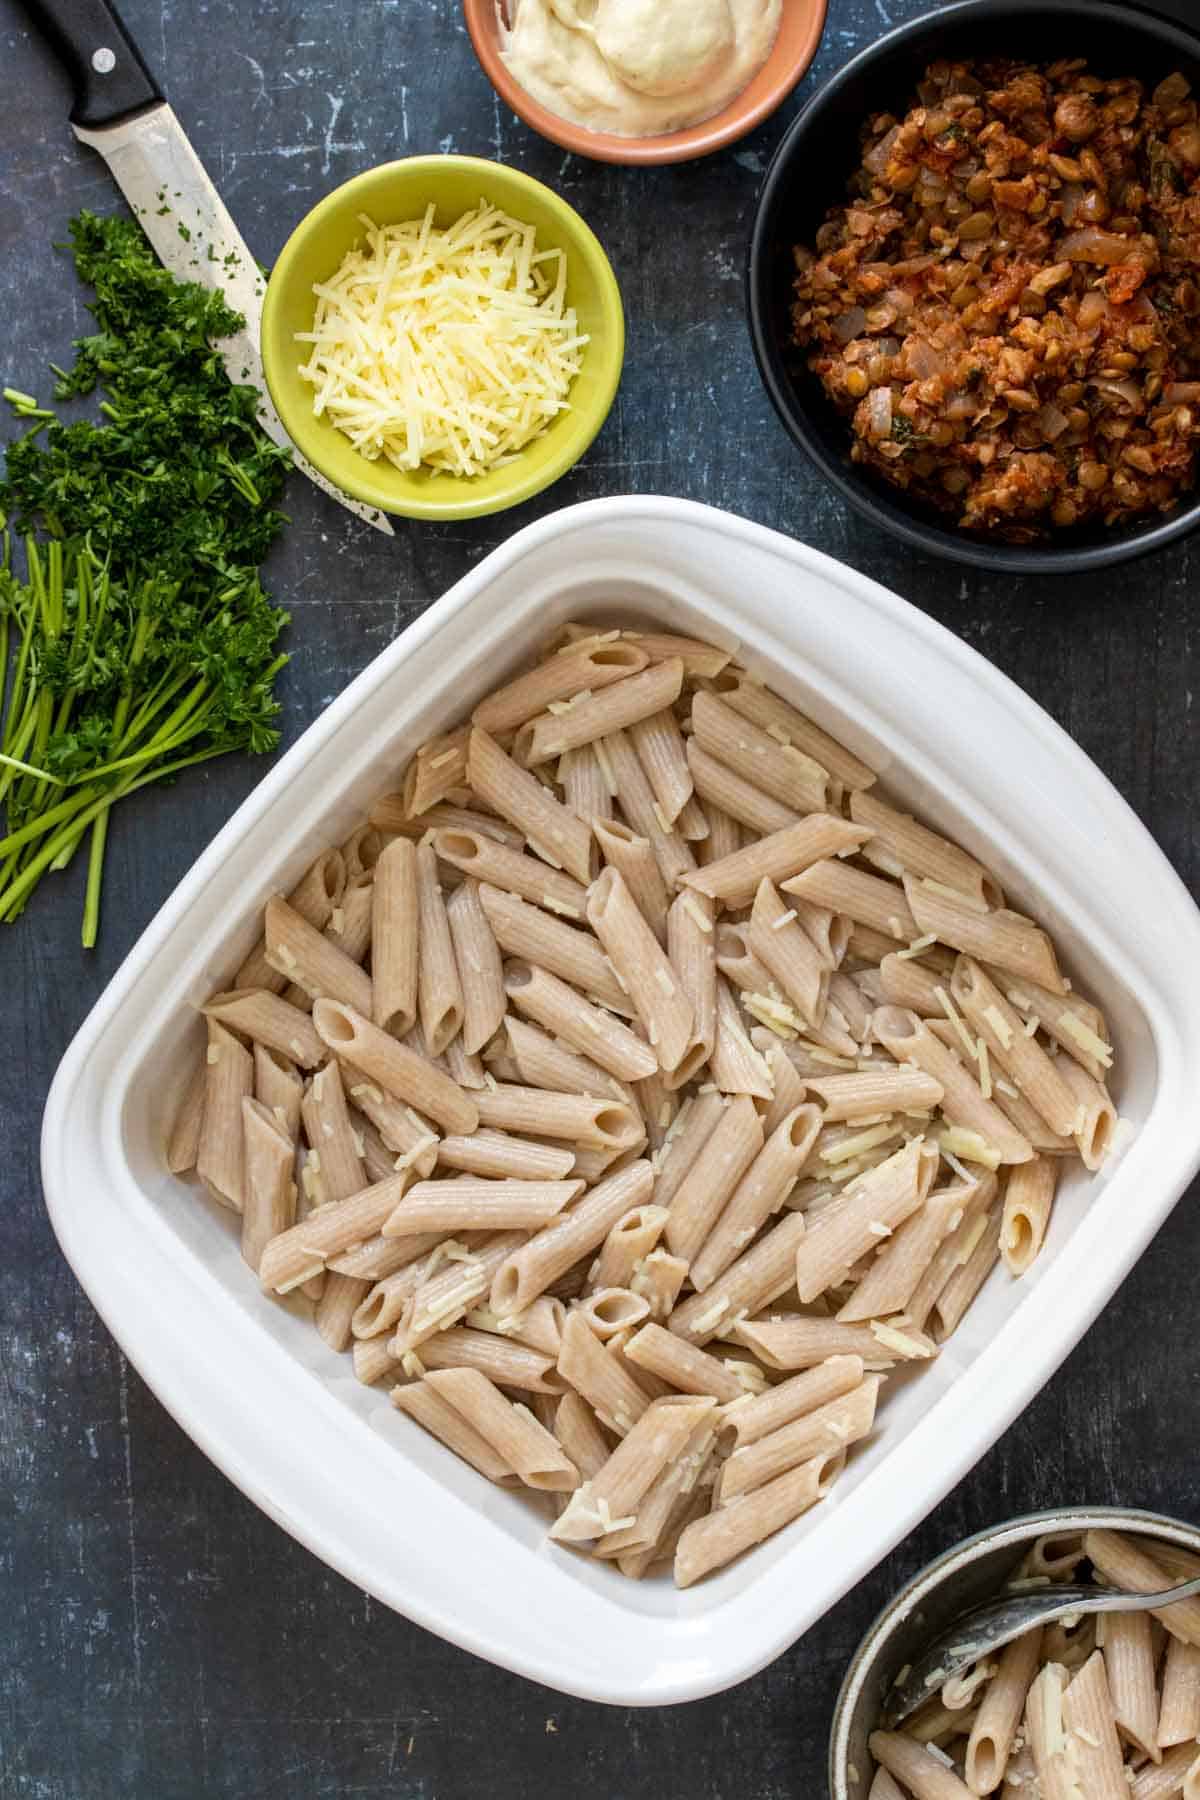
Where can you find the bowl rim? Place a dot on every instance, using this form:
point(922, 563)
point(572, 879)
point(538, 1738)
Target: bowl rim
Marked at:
point(793, 411)
point(950, 1562)
point(732, 123)
point(610, 350)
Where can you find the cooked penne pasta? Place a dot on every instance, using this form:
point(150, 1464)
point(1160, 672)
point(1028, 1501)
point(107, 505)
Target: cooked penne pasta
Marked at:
point(735, 1065)
point(684, 1366)
point(614, 1312)
point(220, 1145)
point(333, 1151)
point(584, 784)
point(990, 1744)
point(528, 876)
point(903, 1258)
point(515, 1159)
point(706, 1189)
point(548, 943)
point(314, 897)
point(902, 846)
point(789, 954)
point(751, 1417)
point(720, 787)
point(698, 659)
point(634, 1235)
point(781, 770)
point(660, 749)
point(583, 670)
point(588, 717)
point(511, 1429)
point(437, 769)
point(608, 1500)
point(1095, 1751)
point(395, 939)
point(1010, 1049)
point(600, 1124)
point(909, 1039)
point(1179, 1716)
point(797, 847)
point(782, 722)
point(952, 1303)
point(1007, 939)
point(1129, 1665)
point(266, 1019)
point(643, 969)
point(480, 970)
point(277, 1083)
point(1169, 1778)
point(536, 1265)
point(269, 1188)
point(451, 1288)
point(1028, 1199)
point(444, 1422)
point(468, 1204)
point(711, 1542)
point(872, 1207)
point(545, 1062)
point(760, 1191)
point(1124, 1564)
point(758, 1276)
point(875, 1091)
point(507, 1364)
point(923, 1775)
point(311, 960)
point(867, 899)
point(395, 1067)
point(634, 859)
point(1095, 1115)
point(564, 1012)
point(954, 1252)
point(304, 1249)
point(439, 990)
point(183, 1145)
point(552, 830)
point(827, 1431)
point(599, 1377)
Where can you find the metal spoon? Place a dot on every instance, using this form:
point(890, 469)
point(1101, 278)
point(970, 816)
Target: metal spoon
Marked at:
point(989, 1627)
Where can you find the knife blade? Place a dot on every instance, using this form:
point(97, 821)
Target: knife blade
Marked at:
point(120, 113)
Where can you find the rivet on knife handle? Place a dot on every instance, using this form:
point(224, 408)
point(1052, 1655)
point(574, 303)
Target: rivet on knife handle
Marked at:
point(109, 77)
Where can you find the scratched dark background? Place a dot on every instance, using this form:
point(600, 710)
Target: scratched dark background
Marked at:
point(159, 1637)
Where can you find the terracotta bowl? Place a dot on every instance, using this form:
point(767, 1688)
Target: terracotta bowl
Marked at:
point(795, 46)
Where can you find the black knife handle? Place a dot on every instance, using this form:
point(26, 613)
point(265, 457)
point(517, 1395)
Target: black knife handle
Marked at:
point(109, 77)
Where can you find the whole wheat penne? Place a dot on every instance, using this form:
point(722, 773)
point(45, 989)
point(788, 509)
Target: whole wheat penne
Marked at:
point(678, 1493)
point(600, 1379)
point(659, 1276)
point(435, 771)
point(1095, 1115)
point(631, 1238)
point(923, 1775)
point(439, 990)
point(480, 970)
point(584, 785)
point(591, 716)
point(908, 983)
point(609, 1499)
point(613, 1310)
point(378, 1257)
point(220, 1148)
point(704, 1192)
point(737, 960)
point(378, 1160)
point(507, 1364)
point(447, 1424)
point(964, 1284)
point(535, 937)
point(535, 1266)
point(829, 931)
point(262, 1016)
point(871, 1208)
point(691, 1130)
point(411, 1138)
point(1045, 1730)
point(658, 1106)
point(269, 1188)
point(1006, 939)
point(551, 828)
point(314, 897)
point(393, 1066)
point(469, 1203)
point(759, 1276)
point(304, 1249)
point(301, 954)
point(782, 722)
point(868, 899)
point(1014, 1106)
point(452, 1290)
point(782, 770)
point(578, 1431)
point(790, 1091)
point(183, 1145)
point(735, 1065)
point(722, 789)
point(1129, 1665)
point(798, 847)
point(395, 940)
point(591, 1164)
point(1028, 1199)
point(641, 810)
point(1095, 1750)
point(335, 1307)
point(954, 1252)
point(562, 1010)
point(682, 1365)
point(330, 1134)
point(639, 960)
point(882, 1091)
point(602, 1124)
point(1167, 1780)
point(828, 1429)
point(384, 1305)
point(990, 1744)
point(541, 1061)
point(351, 922)
point(788, 953)
point(903, 1258)
point(1021, 1057)
point(663, 756)
point(590, 668)
point(1179, 1717)
point(1074, 1023)
point(909, 1039)
point(711, 1542)
point(373, 1361)
point(691, 952)
point(362, 849)
point(885, 1787)
point(539, 1327)
point(902, 846)
point(698, 659)
point(389, 816)
point(759, 1193)
point(634, 857)
point(277, 1083)
point(752, 1417)
point(1123, 1563)
point(517, 1159)
point(480, 856)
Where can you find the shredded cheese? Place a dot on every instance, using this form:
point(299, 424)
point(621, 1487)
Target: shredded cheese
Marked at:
point(1085, 1037)
point(449, 347)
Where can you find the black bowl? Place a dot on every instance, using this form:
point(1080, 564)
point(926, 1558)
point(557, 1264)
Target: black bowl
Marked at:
point(809, 173)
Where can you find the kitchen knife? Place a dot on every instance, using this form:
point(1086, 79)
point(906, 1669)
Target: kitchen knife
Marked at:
point(120, 112)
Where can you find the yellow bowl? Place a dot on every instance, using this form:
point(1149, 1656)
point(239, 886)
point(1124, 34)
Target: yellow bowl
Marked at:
point(388, 195)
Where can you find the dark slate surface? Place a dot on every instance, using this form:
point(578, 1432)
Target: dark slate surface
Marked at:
point(161, 1638)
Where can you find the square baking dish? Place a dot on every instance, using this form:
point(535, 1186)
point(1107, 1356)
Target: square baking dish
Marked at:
point(332, 1461)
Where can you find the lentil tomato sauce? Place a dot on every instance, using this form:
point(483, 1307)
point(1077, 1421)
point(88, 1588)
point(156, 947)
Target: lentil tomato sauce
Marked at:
point(1007, 308)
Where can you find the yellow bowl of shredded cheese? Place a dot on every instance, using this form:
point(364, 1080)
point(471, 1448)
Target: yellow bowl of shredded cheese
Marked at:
point(442, 337)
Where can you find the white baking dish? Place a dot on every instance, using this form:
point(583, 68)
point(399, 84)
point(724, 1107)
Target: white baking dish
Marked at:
point(330, 1460)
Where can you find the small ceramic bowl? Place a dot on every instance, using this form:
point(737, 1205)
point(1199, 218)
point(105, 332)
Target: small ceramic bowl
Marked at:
point(972, 1572)
point(799, 34)
point(402, 190)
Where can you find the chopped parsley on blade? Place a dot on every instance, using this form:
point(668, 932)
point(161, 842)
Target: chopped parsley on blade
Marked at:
point(137, 639)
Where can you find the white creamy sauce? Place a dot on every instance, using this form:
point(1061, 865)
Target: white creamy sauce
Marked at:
point(636, 68)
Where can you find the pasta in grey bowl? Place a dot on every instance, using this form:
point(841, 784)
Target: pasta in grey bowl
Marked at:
point(1064, 1678)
